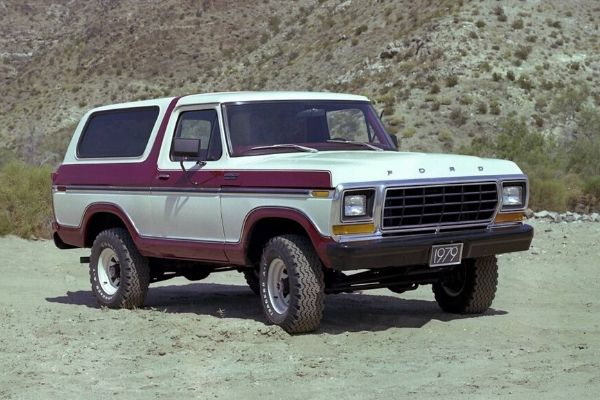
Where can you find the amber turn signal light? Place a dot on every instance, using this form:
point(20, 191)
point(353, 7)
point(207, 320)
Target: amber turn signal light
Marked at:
point(354, 229)
point(509, 217)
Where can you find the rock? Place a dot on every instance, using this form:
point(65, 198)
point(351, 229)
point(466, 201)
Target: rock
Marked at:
point(554, 216)
point(391, 50)
point(529, 213)
point(595, 217)
point(576, 216)
point(541, 214)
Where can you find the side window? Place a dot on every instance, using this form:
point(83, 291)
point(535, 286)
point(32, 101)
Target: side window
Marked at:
point(117, 133)
point(203, 125)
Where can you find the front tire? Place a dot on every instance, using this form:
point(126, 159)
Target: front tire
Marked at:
point(119, 274)
point(470, 288)
point(292, 284)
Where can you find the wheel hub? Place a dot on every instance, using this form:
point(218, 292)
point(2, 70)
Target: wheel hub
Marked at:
point(109, 271)
point(278, 286)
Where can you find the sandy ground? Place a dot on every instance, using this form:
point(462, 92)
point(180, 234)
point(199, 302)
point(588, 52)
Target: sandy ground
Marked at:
point(207, 340)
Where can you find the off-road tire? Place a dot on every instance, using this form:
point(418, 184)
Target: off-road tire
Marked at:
point(305, 283)
point(480, 280)
point(252, 279)
point(134, 270)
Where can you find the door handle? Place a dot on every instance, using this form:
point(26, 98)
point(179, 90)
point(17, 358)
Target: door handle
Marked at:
point(163, 177)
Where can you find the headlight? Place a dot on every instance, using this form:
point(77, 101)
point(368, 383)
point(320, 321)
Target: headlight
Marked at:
point(513, 195)
point(358, 205)
point(355, 205)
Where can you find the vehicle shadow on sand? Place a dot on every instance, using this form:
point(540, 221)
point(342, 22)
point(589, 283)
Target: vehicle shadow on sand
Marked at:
point(350, 312)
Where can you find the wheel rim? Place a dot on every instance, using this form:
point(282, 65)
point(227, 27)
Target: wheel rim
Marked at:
point(278, 286)
point(109, 271)
point(456, 282)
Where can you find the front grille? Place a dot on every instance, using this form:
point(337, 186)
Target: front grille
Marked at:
point(427, 206)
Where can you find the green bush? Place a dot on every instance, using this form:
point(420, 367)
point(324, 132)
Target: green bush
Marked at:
point(547, 194)
point(592, 187)
point(25, 200)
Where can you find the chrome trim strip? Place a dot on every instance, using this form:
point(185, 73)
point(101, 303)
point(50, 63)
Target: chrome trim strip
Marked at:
point(224, 190)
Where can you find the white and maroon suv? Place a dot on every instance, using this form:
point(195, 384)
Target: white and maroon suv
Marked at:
point(305, 193)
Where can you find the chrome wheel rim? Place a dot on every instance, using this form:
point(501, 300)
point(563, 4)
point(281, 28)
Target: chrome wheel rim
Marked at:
point(278, 286)
point(109, 271)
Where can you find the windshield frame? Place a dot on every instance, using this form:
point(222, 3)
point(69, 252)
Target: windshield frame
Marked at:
point(371, 117)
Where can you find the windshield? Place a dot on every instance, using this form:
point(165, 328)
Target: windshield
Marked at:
point(291, 126)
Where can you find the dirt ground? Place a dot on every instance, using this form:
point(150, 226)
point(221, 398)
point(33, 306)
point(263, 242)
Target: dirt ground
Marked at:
point(541, 339)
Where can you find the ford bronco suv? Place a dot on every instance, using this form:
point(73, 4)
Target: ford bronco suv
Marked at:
point(304, 193)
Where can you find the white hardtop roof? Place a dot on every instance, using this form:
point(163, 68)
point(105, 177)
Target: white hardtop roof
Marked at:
point(235, 97)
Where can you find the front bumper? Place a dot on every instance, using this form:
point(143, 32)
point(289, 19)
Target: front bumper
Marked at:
point(401, 251)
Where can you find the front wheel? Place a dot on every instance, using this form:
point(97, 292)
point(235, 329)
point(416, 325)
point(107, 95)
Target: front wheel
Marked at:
point(292, 284)
point(470, 288)
point(119, 274)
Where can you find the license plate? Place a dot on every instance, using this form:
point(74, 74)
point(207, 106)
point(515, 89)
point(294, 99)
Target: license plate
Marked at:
point(445, 254)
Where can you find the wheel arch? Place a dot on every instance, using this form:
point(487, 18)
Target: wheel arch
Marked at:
point(264, 223)
point(101, 216)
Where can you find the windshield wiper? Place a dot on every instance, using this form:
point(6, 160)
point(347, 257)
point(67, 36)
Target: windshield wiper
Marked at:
point(286, 146)
point(370, 146)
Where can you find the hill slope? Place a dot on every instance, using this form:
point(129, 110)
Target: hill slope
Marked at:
point(444, 73)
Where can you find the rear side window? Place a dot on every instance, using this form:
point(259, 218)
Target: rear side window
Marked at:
point(117, 133)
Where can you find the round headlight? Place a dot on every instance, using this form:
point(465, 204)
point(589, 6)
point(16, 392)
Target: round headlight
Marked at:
point(355, 205)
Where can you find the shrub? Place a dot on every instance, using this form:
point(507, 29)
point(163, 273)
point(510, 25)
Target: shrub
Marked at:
point(523, 52)
point(361, 29)
point(482, 108)
point(435, 89)
point(570, 100)
point(25, 200)
point(458, 116)
point(409, 132)
point(518, 24)
point(480, 24)
point(547, 194)
point(445, 136)
point(525, 82)
point(510, 75)
point(495, 108)
point(451, 81)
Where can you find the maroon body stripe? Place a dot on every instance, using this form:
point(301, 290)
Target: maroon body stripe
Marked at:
point(217, 252)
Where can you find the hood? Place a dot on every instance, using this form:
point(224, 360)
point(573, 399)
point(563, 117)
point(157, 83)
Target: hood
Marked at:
point(367, 166)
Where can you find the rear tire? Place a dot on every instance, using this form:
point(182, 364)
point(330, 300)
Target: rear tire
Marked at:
point(252, 279)
point(470, 288)
point(119, 274)
point(292, 284)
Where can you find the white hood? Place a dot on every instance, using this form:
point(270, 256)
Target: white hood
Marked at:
point(367, 166)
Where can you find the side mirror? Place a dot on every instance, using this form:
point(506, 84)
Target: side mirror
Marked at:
point(395, 140)
point(188, 149)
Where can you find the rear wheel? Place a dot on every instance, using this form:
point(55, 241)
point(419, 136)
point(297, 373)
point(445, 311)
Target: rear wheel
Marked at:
point(119, 274)
point(252, 279)
point(292, 284)
point(470, 288)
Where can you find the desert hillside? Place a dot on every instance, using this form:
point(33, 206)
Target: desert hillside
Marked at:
point(514, 79)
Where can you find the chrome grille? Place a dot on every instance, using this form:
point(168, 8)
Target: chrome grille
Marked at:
point(427, 206)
